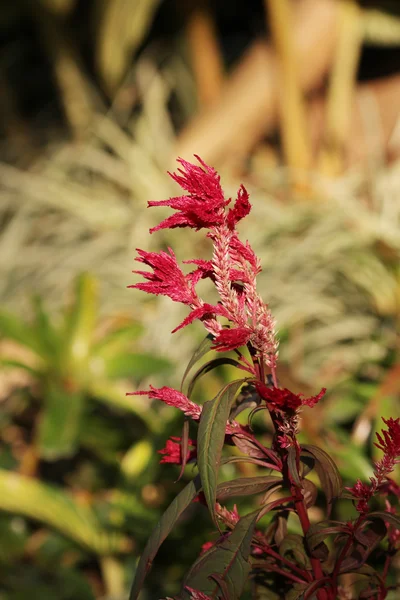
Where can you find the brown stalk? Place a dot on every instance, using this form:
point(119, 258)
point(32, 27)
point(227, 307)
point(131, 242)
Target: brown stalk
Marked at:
point(205, 54)
point(342, 87)
point(248, 108)
point(293, 125)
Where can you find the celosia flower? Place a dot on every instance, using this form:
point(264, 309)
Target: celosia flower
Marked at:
point(172, 397)
point(177, 399)
point(172, 453)
point(284, 399)
point(205, 204)
point(233, 268)
point(389, 443)
point(167, 278)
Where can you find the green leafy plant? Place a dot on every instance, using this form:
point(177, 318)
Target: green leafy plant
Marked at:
point(72, 359)
point(274, 551)
point(73, 448)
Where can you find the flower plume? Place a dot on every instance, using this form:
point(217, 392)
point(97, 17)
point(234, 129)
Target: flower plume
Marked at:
point(233, 268)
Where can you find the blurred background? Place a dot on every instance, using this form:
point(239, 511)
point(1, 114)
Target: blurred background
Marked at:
point(297, 99)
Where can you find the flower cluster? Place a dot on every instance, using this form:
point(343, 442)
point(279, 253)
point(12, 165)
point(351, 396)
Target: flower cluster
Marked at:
point(389, 443)
point(233, 268)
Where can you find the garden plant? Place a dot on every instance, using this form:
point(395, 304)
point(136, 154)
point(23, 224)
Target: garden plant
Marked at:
point(277, 549)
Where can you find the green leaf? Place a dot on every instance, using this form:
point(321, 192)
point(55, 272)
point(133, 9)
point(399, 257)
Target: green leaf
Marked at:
point(134, 366)
point(28, 497)
point(45, 330)
point(16, 364)
point(384, 516)
point(227, 562)
point(246, 486)
point(161, 531)
point(210, 439)
point(327, 471)
point(117, 340)
point(293, 543)
point(13, 328)
point(61, 420)
point(292, 466)
point(204, 347)
point(209, 366)
point(79, 329)
point(318, 532)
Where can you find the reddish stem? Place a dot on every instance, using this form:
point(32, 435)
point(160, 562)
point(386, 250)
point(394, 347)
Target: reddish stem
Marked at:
point(283, 572)
point(305, 525)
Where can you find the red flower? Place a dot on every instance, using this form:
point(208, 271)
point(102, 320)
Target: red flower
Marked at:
point(172, 453)
point(240, 210)
point(172, 397)
point(205, 311)
point(363, 493)
point(229, 339)
point(284, 399)
point(167, 278)
point(389, 441)
point(205, 204)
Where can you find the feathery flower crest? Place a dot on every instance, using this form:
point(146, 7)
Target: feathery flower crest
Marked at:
point(172, 453)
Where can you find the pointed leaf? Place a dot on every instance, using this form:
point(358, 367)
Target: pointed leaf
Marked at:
point(28, 497)
point(79, 328)
point(246, 486)
point(293, 543)
point(292, 466)
point(227, 561)
point(45, 330)
point(210, 440)
point(318, 532)
point(16, 364)
point(204, 347)
point(13, 328)
point(60, 423)
point(161, 531)
point(328, 473)
point(209, 366)
point(386, 517)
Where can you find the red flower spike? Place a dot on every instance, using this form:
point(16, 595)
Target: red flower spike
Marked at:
point(240, 210)
point(205, 205)
point(389, 441)
point(205, 311)
point(167, 278)
point(230, 339)
point(171, 397)
point(172, 453)
point(284, 399)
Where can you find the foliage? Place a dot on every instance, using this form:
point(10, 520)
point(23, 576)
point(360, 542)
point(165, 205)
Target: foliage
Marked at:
point(76, 445)
point(289, 555)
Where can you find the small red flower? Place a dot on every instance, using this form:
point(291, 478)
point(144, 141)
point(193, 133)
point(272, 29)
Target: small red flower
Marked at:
point(363, 493)
point(389, 441)
point(229, 339)
point(205, 204)
point(167, 278)
point(284, 399)
point(171, 397)
point(241, 208)
point(172, 453)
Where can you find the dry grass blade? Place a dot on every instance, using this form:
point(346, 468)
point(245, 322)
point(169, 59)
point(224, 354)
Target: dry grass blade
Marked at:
point(342, 88)
point(121, 26)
